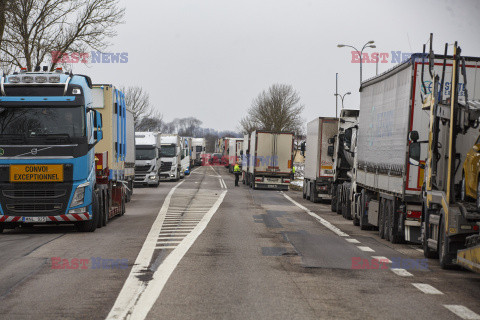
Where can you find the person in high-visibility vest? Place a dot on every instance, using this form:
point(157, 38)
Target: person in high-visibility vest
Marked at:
point(236, 171)
point(293, 172)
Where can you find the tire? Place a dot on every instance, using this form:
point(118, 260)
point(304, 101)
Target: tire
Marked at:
point(304, 192)
point(393, 222)
point(122, 208)
point(381, 219)
point(91, 225)
point(427, 252)
point(444, 257)
point(386, 220)
point(313, 194)
point(356, 221)
point(308, 193)
point(364, 198)
point(333, 203)
point(106, 207)
point(339, 200)
point(1, 228)
point(101, 218)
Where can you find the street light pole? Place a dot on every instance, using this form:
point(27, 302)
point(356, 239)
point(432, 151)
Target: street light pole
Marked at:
point(342, 96)
point(369, 44)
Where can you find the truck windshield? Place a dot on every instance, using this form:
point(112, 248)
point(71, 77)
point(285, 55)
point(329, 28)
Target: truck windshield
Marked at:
point(42, 121)
point(198, 148)
point(167, 151)
point(144, 153)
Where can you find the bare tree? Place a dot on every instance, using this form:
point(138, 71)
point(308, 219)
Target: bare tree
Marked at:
point(36, 28)
point(138, 101)
point(277, 109)
point(152, 122)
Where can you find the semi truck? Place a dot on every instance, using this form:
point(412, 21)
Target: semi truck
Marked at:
point(271, 160)
point(170, 155)
point(49, 161)
point(319, 170)
point(199, 148)
point(113, 176)
point(387, 189)
point(147, 161)
point(343, 161)
point(235, 146)
point(451, 204)
point(245, 157)
point(186, 157)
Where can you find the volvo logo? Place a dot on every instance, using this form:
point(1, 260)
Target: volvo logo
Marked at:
point(34, 151)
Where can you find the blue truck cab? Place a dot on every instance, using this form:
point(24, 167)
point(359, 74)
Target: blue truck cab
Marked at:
point(48, 131)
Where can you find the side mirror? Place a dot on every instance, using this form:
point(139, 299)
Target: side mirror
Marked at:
point(330, 151)
point(414, 154)
point(97, 124)
point(413, 136)
point(331, 140)
point(241, 152)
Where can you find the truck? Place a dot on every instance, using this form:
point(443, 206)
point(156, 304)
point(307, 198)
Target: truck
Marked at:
point(114, 178)
point(245, 157)
point(343, 161)
point(387, 191)
point(318, 151)
point(451, 204)
point(49, 160)
point(186, 157)
point(235, 146)
point(198, 151)
point(147, 160)
point(170, 155)
point(271, 160)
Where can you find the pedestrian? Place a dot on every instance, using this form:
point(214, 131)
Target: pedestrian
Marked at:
point(236, 171)
point(293, 172)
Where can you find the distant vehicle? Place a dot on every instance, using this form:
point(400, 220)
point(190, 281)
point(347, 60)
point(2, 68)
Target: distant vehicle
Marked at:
point(198, 150)
point(170, 155)
point(235, 146)
point(147, 161)
point(217, 159)
point(319, 153)
point(271, 166)
point(186, 158)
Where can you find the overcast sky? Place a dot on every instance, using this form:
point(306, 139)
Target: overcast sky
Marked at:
point(210, 58)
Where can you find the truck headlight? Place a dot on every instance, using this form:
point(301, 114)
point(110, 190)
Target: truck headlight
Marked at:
point(152, 177)
point(78, 210)
point(79, 195)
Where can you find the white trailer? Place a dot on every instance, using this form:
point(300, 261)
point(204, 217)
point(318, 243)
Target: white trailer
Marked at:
point(319, 169)
point(130, 154)
point(147, 162)
point(272, 160)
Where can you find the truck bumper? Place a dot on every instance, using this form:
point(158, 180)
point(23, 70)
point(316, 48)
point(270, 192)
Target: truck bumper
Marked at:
point(167, 176)
point(64, 218)
point(470, 258)
point(144, 179)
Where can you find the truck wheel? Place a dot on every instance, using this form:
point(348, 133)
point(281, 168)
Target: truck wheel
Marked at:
point(91, 225)
point(427, 251)
point(381, 219)
point(339, 200)
point(1, 227)
point(101, 209)
point(393, 234)
point(313, 193)
point(445, 258)
point(356, 221)
point(122, 207)
point(333, 203)
point(304, 191)
point(106, 208)
point(307, 190)
point(363, 219)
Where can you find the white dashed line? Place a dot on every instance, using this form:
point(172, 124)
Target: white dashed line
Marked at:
point(352, 240)
point(327, 224)
point(366, 249)
point(426, 288)
point(382, 259)
point(401, 272)
point(462, 312)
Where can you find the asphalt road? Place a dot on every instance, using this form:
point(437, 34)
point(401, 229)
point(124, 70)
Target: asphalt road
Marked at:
point(204, 249)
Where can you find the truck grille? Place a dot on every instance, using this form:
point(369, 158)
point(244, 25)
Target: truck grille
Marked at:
point(27, 199)
point(166, 166)
point(145, 168)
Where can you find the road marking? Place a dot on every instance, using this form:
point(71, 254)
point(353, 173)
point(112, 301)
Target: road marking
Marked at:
point(419, 250)
point(382, 259)
point(167, 238)
point(462, 312)
point(175, 228)
point(426, 288)
point(327, 224)
point(162, 248)
point(179, 233)
point(366, 249)
point(138, 296)
point(134, 286)
point(168, 242)
point(401, 272)
point(352, 240)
